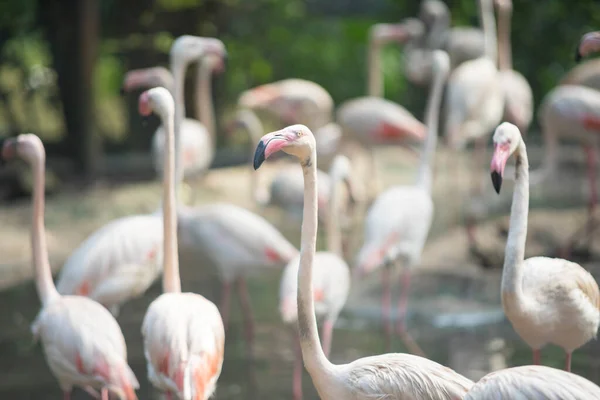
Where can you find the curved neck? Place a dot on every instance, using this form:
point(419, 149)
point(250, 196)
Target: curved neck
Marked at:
point(488, 24)
point(504, 45)
point(375, 85)
point(514, 253)
point(43, 275)
point(205, 111)
point(178, 69)
point(171, 280)
point(312, 352)
point(334, 235)
point(424, 173)
point(438, 32)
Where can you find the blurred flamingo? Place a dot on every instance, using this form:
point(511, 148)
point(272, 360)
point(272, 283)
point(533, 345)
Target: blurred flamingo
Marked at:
point(82, 342)
point(395, 375)
point(183, 333)
point(518, 96)
point(474, 107)
point(547, 300)
point(533, 382)
point(331, 276)
point(398, 222)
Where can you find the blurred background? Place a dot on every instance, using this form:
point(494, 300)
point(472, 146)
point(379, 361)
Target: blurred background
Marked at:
point(62, 64)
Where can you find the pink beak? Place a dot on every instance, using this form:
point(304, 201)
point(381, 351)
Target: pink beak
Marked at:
point(499, 159)
point(269, 144)
point(144, 105)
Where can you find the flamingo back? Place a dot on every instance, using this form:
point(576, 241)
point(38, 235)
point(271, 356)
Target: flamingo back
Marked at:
point(117, 262)
point(84, 346)
point(184, 342)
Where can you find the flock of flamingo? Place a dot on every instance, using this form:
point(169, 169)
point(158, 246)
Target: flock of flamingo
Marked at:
point(547, 300)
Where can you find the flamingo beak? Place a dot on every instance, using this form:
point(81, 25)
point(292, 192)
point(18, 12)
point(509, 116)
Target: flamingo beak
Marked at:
point(7, 150)
point(144, 104)
point(268, 144)
point(501, 154)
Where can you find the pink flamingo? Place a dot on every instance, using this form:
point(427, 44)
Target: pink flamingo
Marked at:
point(398, 222)
point(533, 382)
point(547, 300)
point(395, 375)
point(183, 333)
point(82, 342)
point(331, 277)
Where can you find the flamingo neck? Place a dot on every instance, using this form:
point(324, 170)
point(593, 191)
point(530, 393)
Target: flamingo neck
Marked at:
point(204, 105)
point(375, 86)
point(334, 235)
point(171, 280)
point(312, 352)
point(424, 173)
point(178, 69)
point(43, 274)
point(512, 276)
point(255, 129)
point(504, 45)
point(488, 24)
point(438, 31)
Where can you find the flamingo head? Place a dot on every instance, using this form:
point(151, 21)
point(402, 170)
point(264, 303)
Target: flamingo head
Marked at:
point(27, 146)
point(384, 33)
point(296, 140)
point(507, 138)
point(433, 11)
point(158, 100)
point(147, 77)
point(188, 48)
point(589, 43)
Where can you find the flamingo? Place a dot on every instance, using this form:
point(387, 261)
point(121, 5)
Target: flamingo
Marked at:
point(547, 300)
point(331, 277)
point(183, 333)
point(533, 382)
point(394, 375)
point(82, 342)
point(398, 222)
point(121, 260)
point(586, 73)
point(475, 104)
point(518, 95)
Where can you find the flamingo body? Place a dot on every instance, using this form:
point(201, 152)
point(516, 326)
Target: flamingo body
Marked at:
point(117, 262)
point(584, 74)
point(184, 345)
point(518, 98)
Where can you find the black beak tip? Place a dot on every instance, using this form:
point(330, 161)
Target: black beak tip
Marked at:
point(578, 56)
point(496, 181)
point(259, 155)
point(122, 91)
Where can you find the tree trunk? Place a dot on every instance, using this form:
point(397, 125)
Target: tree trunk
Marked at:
point(72, 29)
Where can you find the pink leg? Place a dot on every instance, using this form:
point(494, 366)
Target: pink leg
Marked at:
point(168, 395)
point(297, 384)
point(225, 301)
point(67, 395)
point(104, 394)
point(247, 312)
point(568, 362)
point(591, 164)
point(537, 356)
point(386, 305)
point(327, 332)
point(405, 288)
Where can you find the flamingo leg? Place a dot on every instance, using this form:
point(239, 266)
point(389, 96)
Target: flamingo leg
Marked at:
point(537, 356)
point(327, 333)
point(247, 312)
point(168, 396)
point(104, 394)
point(225, 301)
point(297, 383)
point(386, 305)
point(67, 395)
point(405, 291)
point(591, 164)
point(568, 362)
point(374, 176)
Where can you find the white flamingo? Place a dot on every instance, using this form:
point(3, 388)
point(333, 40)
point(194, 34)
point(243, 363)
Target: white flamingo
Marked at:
point(533, 382)
point(398, 222)
point(82, 342)
point(547, 300)
point(331, 276)
point(123, 258)
point(395, 375)
point(183, 333)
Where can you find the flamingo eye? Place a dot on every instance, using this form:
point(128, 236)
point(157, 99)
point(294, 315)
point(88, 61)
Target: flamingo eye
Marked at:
point(299, 133)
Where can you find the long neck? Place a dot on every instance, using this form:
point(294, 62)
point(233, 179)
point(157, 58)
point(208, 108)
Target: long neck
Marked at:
point(375, 73)
point(488, 24)
point(515, 244)
point(438, 32)
point(178, 69)
point(255, 130)
point(312, 352)
point(171, 281)
point(424, 174)
point(204, 105)
point(43, 275)
point(504, 45)
point(334, 235)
